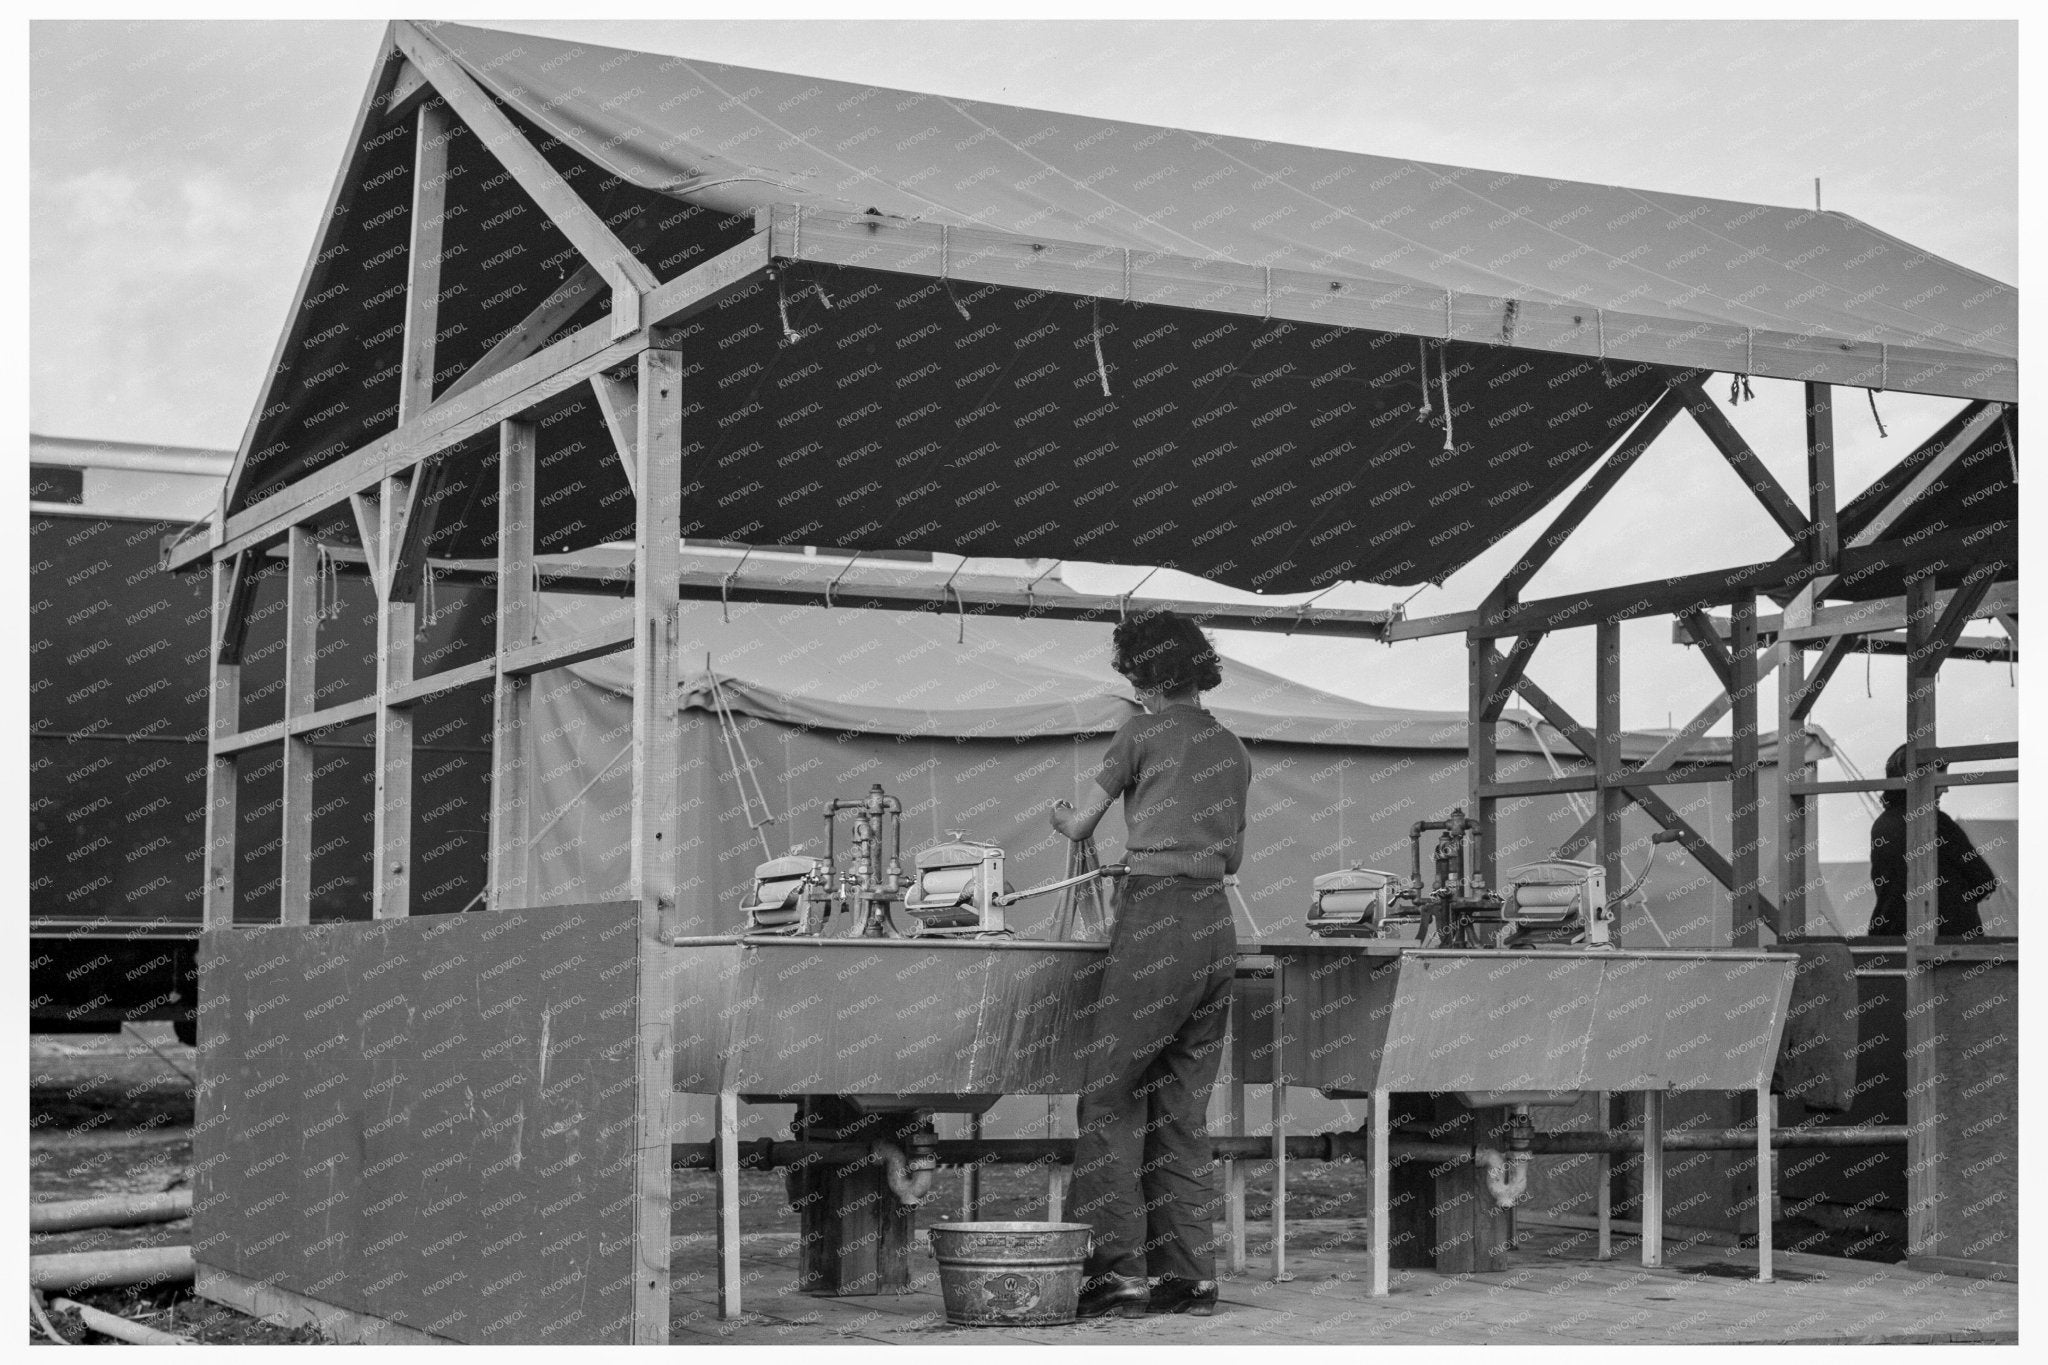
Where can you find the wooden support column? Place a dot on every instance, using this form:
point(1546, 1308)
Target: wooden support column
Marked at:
point(1379, 1160)
point(397, 626)
point(1612, 801)
point(223, 718)
point(1746, 790)
point(512, 695)
point(301, 653)
point(423, 260)
point(657, 560)
point(1922, 920)
point(1481, 732)
point(1278, 1097)
point(1826, 540)
point(1794, 851)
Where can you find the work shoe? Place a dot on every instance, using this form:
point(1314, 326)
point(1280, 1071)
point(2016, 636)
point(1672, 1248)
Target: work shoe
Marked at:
point(1113, 1293)
point(1174, 1295)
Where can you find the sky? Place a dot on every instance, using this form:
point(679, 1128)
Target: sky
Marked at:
point(178, 170)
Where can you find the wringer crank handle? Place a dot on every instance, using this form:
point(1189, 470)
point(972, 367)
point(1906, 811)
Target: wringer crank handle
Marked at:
point(1112, 870)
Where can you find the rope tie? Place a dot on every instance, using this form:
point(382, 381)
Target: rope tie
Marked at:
point(796, 237)
point(2012, 447)
point(724, 587)
point(841, 574)
point(1871, 394)
point(1422, 368)
point(790, 335)
point(1600, 327)
point(427, 591)
point(1269, 293)
point(946, 590)
point(1095, 331)
point(1444, 377)
point(1127, 274)
point(1884, 364)
point(1031, 590)
point(945, 265)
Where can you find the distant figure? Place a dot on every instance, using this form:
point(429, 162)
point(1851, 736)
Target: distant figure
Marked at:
point(1963, 877)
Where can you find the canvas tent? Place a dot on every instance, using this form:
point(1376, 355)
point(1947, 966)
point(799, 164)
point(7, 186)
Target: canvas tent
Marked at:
point(1562, 308)
point(979, 723)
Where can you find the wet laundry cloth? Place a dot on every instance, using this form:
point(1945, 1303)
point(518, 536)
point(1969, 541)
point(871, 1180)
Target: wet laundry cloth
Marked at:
point(1143, 1176)
point(1817, 1055)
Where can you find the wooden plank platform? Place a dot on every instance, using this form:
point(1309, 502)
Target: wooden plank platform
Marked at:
point(1551, 1293)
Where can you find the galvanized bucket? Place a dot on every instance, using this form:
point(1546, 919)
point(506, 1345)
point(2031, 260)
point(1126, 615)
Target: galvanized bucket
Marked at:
point(1010, 1274)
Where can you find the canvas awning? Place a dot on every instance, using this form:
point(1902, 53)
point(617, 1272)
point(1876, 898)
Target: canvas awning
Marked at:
point(1499, 332)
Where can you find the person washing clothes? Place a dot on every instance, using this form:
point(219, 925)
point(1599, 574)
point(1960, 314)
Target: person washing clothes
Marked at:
point(1143, 1177)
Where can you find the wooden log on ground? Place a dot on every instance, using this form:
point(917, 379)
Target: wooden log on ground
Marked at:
point(110, 1211)
point(103, 1269)
point(120, 1328)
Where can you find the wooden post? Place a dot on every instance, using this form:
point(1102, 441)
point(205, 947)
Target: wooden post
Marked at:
point(423, 260)
point(1379, 1159)
point(1745, 786)
point(1653, 1178)
point(970, 1177)
point(1480, 744)
point(223, 718)
point(512, 699)
point(1820, 473)
point(728, 1207)
point(301, 653)
point(1794, 866)
point(1922, 920)
point(657, 560)
point(1603, 1190)
point(1279, 1100)
point(1612, 800)
point(397, 626)
point(1765, 1182)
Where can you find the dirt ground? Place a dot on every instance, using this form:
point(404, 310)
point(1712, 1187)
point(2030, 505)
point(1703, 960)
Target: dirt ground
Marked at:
point(109, 1115)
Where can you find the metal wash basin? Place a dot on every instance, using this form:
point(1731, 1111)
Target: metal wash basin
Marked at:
point(1361, 1017)
point(928, 1023)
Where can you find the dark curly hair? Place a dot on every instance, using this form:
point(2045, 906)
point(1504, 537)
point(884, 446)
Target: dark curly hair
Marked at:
point(1166, 651)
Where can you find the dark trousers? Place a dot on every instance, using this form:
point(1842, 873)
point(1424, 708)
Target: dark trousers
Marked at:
point(1143, 1178)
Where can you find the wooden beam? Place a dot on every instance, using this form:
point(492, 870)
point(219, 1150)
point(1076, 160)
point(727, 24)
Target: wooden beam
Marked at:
point(1653, 805)
point(1639, 438)
point(1962, 607)
point(657, 561)
point(1503, 674)
point(1800, 690)
point(529, 334)
point(368, 510)
point(423, 260)
point(1671, 595)
point(1673, 749)
point(1745, 783)
point(408, 85)
point(1931, 470)
point(1710, 645)
point(301, 654)
point(1541, 786)
point(231, 622)
point(512, 695)
point(1923, 880)
point(1820, 474)
point(1845, 788)
point(447, 680)
point(577, 221)
point(1852, 618)
point(1754, 473)
point(1942, 781)
point(1335, 299)
point(397, 630)
point(1975, 753)
point(617, 399)
point(223, 715)
point(1794, 851)
point(509, 393)
point(416, 514)
point(1485, 672)
point(1610, 801)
